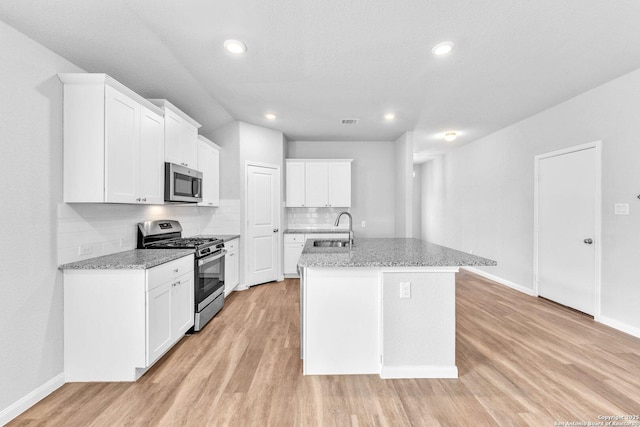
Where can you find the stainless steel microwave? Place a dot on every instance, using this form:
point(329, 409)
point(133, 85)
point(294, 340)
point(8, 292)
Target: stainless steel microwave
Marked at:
point(182, 184)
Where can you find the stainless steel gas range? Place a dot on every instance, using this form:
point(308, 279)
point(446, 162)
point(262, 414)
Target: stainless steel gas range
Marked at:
point(209, 263)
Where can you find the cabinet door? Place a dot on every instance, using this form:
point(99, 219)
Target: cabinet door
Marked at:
point(317, 184)
point(209, 165)
point(295, 184)
point(159, 337)
point(151, 157)
point(188, 145)
point(122, 146)
point(340, 184)
point(231, 268)
point(172, 130)
point(292, 252)
point(182, 305)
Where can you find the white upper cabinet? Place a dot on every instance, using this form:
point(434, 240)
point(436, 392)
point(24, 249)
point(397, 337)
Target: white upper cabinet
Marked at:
point(295, 172)
point(181, 135)
point(151, 157)
point(209, 165)
point(113, 142)
point(339, 184)
point(318, 183)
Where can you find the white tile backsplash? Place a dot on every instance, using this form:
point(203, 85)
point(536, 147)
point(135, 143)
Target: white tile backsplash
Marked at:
point(113, 228)
point(311, 218)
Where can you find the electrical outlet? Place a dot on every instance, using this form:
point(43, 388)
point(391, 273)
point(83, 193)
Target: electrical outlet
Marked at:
point(363, 224)
point(621, 209)
point(405, 289)
point(85, 249)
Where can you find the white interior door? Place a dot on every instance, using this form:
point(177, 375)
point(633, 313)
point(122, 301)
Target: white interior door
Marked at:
point(566, 236)
point(263, 217)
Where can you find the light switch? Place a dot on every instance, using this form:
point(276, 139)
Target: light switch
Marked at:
point(621, 209)
point(405, 289)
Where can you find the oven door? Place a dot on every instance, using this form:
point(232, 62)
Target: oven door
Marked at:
point(209, 279)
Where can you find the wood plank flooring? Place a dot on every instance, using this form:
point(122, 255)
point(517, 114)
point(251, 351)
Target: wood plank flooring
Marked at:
point(523, 361)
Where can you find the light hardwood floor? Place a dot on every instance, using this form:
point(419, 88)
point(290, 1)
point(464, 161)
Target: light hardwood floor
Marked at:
point(523, 361)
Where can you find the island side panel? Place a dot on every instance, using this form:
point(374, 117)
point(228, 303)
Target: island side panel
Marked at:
point(419, 333)
point(341, 321)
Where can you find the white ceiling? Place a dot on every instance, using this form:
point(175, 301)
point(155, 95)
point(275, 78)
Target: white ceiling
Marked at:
point(315, 62)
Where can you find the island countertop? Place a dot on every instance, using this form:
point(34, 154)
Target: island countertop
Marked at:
point(388, 252)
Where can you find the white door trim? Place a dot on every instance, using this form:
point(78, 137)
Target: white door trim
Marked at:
point(245, 223)
point(597, 145)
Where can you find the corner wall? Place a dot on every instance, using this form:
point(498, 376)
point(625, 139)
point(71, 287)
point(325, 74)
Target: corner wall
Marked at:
point(480, 197)
point(404, 185)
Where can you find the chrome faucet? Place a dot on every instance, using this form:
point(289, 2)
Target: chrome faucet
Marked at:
point(351, 236)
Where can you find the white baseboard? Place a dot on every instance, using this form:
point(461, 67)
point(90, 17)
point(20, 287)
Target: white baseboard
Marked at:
point(500, 280)
point(616, 324)
point(419, 371)
point(31, 399)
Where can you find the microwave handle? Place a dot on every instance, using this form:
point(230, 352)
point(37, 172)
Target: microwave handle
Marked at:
point(197, 187)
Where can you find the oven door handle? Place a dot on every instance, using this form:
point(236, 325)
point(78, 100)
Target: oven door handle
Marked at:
point(214, 257)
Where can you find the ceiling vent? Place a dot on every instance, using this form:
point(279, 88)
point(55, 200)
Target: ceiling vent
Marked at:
point(349, 121)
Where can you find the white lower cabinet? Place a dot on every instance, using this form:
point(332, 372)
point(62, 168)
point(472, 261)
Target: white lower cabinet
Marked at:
point(231, 266)
point(117, 323)
point(169, 314)
point(294, 245)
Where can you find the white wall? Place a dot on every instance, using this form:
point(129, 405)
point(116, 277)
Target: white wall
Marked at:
point(416, 215)
point(372, 185)
point(404, 185)
point(480, 196)
point(31, 332)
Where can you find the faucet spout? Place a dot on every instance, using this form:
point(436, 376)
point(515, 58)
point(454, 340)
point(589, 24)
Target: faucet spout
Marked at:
point(351, 235)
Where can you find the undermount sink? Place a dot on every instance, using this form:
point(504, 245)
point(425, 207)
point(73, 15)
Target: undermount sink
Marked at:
point(331, 243)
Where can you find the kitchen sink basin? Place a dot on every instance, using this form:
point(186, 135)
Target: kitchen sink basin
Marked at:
point(331, 243)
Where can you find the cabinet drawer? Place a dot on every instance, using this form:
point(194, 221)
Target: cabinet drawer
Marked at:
point(231, 245)
point(168, 271)
point(294, 238)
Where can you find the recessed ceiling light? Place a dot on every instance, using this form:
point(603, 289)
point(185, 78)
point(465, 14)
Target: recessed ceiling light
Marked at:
point(389, 116)
point(271, 116)
point(442, 48)
point(235, 46)
point(450, 136)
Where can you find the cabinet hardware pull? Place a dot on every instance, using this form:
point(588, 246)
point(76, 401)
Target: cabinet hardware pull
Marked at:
point(138, 199)
point(176, 270)
point(144, 200)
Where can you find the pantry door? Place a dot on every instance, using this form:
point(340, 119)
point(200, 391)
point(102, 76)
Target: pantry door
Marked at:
point(263, 224)
point(567, 227)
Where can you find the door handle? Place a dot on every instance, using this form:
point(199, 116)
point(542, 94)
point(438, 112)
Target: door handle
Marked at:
point(588, 241)
point(275, 230)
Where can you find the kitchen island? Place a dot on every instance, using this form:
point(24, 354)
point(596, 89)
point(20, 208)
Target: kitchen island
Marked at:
point(384, 306)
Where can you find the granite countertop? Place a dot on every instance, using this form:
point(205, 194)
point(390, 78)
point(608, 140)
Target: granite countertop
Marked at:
point(129, 260)
point(393, 252)
point(314, 230)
